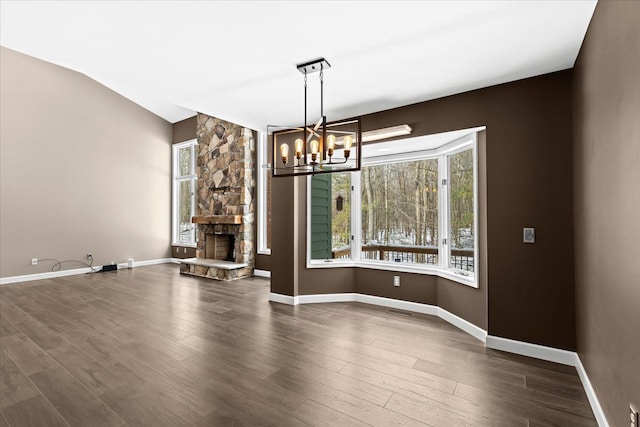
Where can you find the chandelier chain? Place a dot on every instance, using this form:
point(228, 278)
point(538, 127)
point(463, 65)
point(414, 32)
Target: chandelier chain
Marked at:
point(321, 90)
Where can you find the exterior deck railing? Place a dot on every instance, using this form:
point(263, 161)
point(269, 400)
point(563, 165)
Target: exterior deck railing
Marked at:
point(460, 258)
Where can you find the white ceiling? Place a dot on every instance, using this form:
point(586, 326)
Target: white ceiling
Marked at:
point(236, 60)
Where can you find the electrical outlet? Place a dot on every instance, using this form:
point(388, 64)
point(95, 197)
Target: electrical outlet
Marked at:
point(396, 280)
point(34, 261)
point(529, 235)
point(633, 415)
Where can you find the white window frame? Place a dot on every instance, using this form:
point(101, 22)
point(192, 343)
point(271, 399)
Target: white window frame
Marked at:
point(176, 180)
point(263, 170)
point(440, 269)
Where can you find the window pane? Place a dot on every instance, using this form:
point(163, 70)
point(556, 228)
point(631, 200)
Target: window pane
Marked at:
point(185, 163)
point(331, 216)
point(461, 236)
point(400, 212)
point(185, 227)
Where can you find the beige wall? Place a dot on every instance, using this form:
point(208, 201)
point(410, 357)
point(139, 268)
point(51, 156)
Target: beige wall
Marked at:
point(82, 169)
point(607, 206)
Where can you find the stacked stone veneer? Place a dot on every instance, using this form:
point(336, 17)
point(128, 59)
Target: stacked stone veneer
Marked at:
point(226, 171)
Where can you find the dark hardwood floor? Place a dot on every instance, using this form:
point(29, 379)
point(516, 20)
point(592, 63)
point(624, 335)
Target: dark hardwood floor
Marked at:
point(150, 347)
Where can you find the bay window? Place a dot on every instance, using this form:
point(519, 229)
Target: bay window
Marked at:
point(412, 207)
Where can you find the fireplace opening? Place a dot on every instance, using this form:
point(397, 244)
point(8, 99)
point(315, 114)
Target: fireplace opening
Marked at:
point(220, 246)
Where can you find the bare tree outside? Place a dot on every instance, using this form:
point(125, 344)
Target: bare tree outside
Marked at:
point(400, 211)
point(461, 209)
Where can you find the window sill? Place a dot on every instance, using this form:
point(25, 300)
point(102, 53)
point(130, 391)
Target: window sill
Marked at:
point(431, 271)
point(264, 252)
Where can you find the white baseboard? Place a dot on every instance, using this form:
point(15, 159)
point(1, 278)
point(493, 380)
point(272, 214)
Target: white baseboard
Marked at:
point(41, 276)
point(551, 354)
point(591, 394)
point(76, 271)
point(415, 307)
point(320, 298)
point(283, 299)
point(262, 273)
point(465, 325)
point(398, 304)
point(155, 262)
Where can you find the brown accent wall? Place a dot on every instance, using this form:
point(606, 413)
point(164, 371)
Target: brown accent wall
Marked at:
point(263, 262)
point(607, 206)
point(183, 252)
point(284, 245)
point(528, 184)
point(185, 130)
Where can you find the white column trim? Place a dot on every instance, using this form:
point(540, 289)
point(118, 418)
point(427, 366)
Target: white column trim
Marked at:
point(262, 273)
point(465, 325)
point(283, 299)
point(550, 354)
point(591, 394)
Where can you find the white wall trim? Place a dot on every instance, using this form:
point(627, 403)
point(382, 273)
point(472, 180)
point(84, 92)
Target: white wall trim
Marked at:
point(591, 394)
point(41, 276)
point(320, 298)
point(262, 273)
point(283, 299)
point(77, 271)
point(465, 325)
point(415, 307)
point(153, 262)
point(533, 350)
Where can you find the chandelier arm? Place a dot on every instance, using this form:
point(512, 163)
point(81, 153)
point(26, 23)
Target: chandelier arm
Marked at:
point(313, 132)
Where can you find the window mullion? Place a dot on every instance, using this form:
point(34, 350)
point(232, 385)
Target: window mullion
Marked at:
point(356, 215)
point(443, 212)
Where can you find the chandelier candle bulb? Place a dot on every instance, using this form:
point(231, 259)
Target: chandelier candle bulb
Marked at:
point(348, 141)
point(299, 143)
point(331, 144)
point(314, 150)
point(284, 150)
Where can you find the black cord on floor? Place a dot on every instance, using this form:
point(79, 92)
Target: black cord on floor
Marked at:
point(57, 265)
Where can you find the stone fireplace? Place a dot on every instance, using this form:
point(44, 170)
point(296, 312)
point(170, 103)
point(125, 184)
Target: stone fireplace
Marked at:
point(225, 209)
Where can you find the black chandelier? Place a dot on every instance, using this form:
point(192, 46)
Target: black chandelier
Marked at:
point(321, 148)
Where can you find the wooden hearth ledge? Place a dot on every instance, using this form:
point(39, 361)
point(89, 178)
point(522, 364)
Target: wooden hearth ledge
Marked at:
point(217, 219)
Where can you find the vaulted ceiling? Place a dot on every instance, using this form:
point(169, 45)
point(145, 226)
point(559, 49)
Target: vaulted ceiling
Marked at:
point(237, 60)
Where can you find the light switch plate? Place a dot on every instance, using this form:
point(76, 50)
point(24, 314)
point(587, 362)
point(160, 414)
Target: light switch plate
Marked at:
point(529, 235)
